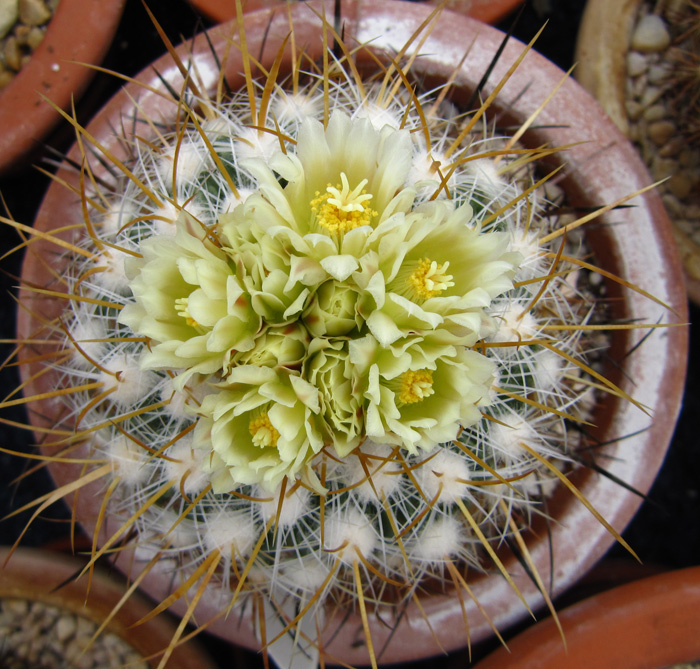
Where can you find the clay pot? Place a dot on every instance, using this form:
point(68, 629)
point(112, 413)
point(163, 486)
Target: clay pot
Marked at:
point(78, 35)
point(488, 11)
point(647, 624)
point(39, 576)
point(601, 52)
point(601, 167)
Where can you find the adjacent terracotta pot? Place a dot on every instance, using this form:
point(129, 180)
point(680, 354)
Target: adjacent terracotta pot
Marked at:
point(600, 167)
point(601, 53)
point(48, 577)
point(78, 35)
point(488, 11)
point(648, 624)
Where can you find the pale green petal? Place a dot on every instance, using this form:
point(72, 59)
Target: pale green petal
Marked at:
point(339, 267)
point(383, 328)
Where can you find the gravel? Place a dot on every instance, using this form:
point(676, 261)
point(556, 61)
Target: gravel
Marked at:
point(36, 635)
point(23, 24)
point(654, 128)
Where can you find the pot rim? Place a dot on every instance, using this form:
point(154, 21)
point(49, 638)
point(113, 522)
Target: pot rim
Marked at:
point(78, 35)
point(659, 366)
point(488, 11)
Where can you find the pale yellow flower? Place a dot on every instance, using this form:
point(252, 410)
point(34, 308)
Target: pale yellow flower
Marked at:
point(420, 390)
point(188, 302)
point(262, 426)
point(432, 270)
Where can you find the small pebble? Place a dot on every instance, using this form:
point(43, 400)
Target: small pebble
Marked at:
point(680, 185)
point(634, 109)
point(637, 86)
point(673, 147)
point(683, 225)
point(17, 607)
point(33, 12)
point(657, 74)
point(655, 113)
point(65, 628)
point(650, 35)
point(661, 131)
point(673, 206)
point(636, 64)
point(689, 158)
point(12, 54)
point(663, 167)
point(650, 95)
point(8, 15)
point(35, 37)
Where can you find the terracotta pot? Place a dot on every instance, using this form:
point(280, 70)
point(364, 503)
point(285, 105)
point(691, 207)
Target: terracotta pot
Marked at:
point(600, 167)
point(488, 11)
point(38, 576)
point(78, 35)
point(601, 52)
point(648, 624)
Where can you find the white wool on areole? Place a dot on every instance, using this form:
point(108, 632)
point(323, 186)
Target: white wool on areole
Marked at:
point(293, 507)
point(445, 475)
point(514, 322)
point(110, 273)
point(306, 574)
point(129, 460)
point(381, 477)
point(84, 332)
point(232, 533)
point(441, 538)
point(192, 158)
point(185, 465)
point(347, 533)
point(127, 380)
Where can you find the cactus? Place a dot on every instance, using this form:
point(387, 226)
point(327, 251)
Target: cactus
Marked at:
point(326, 342)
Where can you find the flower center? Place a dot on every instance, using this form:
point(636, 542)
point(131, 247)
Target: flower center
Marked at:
point(263, 431)
point(415, 386)
point(181, 305)
point(430, 279)
point(340, 209)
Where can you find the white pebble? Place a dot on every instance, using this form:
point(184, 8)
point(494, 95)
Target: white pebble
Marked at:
point(636, 64)
point(650, 35)
point(650, 95)
point(658, 74)
point(65, 627)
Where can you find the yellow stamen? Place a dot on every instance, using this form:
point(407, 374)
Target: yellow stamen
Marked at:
point(181, 309)
point(340, 209)
point(430, 279)
point(416, 386)
point(263, 431)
